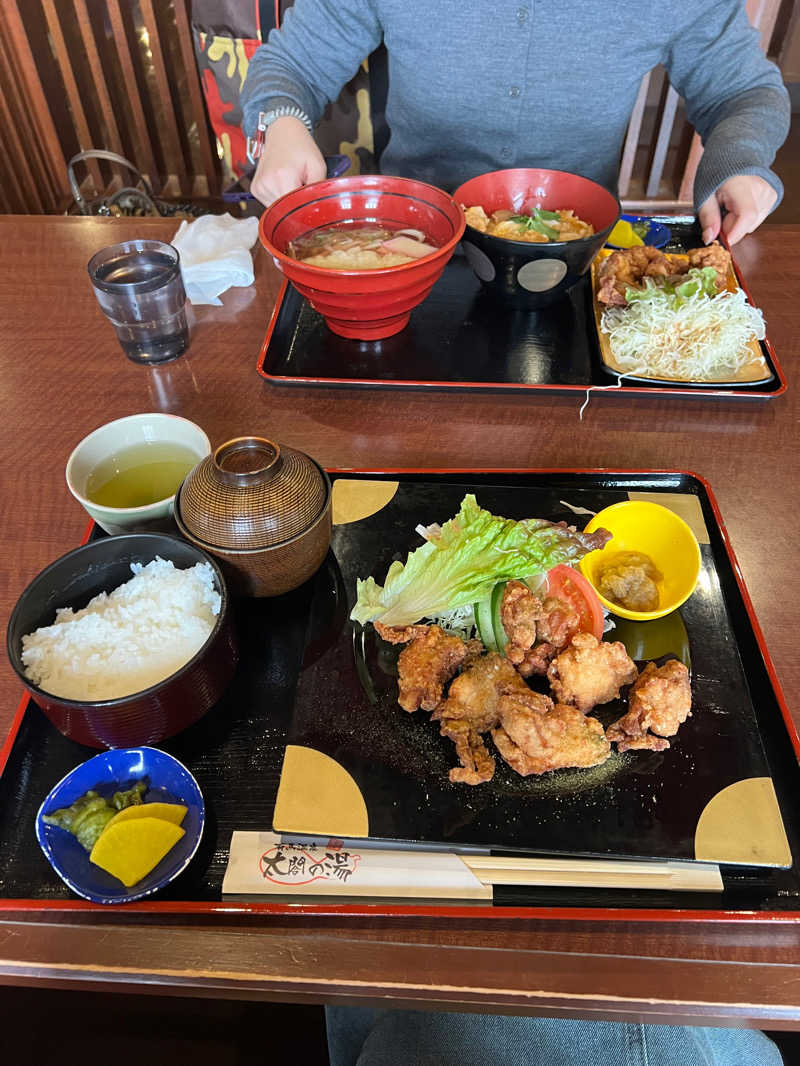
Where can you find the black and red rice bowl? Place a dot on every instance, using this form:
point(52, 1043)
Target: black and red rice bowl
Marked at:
point(164, 708)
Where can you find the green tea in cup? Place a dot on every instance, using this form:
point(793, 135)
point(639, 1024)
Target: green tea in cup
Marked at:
point(125, 474)
point(140, 475)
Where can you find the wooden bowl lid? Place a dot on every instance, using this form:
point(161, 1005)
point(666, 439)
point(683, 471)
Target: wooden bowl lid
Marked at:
point(251, 493)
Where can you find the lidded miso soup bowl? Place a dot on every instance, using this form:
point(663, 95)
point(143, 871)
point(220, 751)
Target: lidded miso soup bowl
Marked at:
point(263, 510)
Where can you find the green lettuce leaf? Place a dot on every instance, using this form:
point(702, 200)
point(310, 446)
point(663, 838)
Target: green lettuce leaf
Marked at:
point(474, 551)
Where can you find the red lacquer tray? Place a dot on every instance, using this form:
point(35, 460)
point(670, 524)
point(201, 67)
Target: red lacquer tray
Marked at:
point(236, 751)
point(459, 338)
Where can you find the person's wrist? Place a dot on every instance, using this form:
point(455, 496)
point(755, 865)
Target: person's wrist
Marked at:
point(267, 119)
point(285, 124)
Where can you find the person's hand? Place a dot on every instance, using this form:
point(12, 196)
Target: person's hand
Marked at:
point(747, 198)
point(290, 158)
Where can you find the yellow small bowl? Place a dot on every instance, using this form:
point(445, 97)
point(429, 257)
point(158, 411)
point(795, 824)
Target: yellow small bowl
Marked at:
point(637, 525)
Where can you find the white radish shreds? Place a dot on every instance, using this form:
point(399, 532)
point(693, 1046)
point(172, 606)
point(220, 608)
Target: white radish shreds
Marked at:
point(127, 640)
point(704, 339)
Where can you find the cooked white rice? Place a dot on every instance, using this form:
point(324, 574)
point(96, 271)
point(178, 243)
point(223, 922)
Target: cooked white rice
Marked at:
point(126, 640)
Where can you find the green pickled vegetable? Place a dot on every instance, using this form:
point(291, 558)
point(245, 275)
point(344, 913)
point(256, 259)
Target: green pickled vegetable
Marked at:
point(641, 229)
point(88, 816)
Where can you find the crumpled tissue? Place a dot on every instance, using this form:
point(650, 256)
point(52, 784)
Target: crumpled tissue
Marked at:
point(215, 254)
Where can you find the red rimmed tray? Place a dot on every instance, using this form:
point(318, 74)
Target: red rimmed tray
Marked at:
point(460, 339)
point(248, 729)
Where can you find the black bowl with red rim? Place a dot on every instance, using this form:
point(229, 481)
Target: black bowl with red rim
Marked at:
point(523, 273)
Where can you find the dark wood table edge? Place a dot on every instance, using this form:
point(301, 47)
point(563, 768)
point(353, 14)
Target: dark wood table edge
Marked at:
point(277, 966)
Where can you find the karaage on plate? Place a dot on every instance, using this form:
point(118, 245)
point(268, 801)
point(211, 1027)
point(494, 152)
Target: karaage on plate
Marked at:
point(713, 255)
point(629, 267)
point(426, 665)
point(658, 703)
point(471, 708)
point(535, 736)
point(477, 765)
point(590, 671)
point(536, 630)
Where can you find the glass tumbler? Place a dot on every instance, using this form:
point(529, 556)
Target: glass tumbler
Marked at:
point(139, 287)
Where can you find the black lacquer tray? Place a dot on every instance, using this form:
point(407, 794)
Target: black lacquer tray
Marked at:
point(236, 751)
point(461, 338)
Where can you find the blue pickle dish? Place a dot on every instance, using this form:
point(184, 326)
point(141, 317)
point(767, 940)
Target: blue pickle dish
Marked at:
point(169, 782)
point(657, 235)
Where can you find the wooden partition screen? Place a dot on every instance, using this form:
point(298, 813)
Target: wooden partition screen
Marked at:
point(114, 74)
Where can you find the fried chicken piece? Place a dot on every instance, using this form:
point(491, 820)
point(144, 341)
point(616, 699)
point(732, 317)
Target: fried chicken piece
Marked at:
point(713, 255)
point(536, 736)
point(475, 650)
point(559, 622)
point(477, 765)
point(536, 631)
point(659, 701)
point(624, 269)
point(519, 611)
point(590, 671)
point(476, 217)
point(475, 694)
point(537, 660)
point(426, 665)
point(399, 634)
point(471, 708)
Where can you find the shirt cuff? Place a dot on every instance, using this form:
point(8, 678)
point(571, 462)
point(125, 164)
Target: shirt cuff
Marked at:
point(253, 109)
point(712, 173)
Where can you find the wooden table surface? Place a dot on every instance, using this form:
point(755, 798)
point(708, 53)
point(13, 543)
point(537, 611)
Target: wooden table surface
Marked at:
point(62, 374)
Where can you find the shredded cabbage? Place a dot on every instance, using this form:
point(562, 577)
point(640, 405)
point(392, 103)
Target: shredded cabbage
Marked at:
point(674, 333)
point(460, 621)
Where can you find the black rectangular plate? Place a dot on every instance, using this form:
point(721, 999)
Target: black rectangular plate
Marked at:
point(460, 338)
point(236, 751)
point(635, 805)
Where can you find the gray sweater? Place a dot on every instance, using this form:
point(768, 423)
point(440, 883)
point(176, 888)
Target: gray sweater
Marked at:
point(477, 86)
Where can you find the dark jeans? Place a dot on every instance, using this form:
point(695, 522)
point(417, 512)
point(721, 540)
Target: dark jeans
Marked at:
point(366, 1037)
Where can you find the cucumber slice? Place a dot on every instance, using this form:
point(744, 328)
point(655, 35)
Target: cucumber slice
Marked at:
point(483, 620)
point(500, 635)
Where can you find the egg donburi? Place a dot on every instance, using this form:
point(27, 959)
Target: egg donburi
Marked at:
point(536, 226)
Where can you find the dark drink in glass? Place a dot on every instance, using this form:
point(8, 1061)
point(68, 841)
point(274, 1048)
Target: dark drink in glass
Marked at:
point(138, 285)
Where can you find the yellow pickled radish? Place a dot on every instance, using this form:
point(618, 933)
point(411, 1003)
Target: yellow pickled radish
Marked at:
point(623, 235)
point(129, 850)
point(170, 812)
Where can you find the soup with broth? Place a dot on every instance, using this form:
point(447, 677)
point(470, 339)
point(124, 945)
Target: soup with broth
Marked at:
point(359, 246)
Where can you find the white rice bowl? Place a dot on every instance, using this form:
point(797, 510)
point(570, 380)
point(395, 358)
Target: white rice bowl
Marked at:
point(127, 640)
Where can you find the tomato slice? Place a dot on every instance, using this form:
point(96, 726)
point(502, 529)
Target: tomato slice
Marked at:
point(571, 586)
